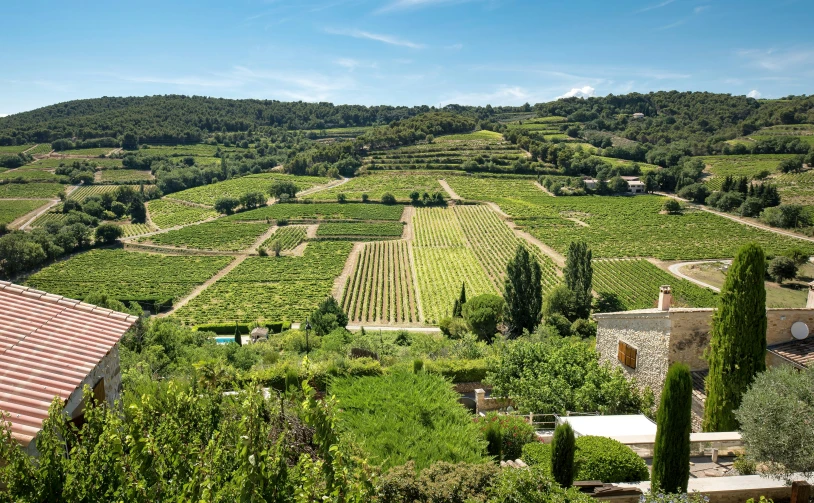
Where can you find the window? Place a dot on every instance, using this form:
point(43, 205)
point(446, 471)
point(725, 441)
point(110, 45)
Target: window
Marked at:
point(627, 355)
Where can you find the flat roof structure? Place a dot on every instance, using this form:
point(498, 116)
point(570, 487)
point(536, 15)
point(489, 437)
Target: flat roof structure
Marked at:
point(622, 427)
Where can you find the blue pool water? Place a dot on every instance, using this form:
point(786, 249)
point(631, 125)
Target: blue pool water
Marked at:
point(225, 339)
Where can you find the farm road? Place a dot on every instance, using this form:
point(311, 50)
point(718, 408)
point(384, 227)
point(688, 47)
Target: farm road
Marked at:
point(28, 218)
point(675, 269)
point(450, 191)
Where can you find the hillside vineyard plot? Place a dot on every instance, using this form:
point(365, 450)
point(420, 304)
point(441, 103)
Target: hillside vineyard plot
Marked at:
point(127, 276)
point(85, 192)
point(216, 235)
point(300, 212)
point(12, 210)
point(375, 185)
point(485, 148)
point(31, 174)
point(444, 260)
point(380, 289)
point(31, 190)
point(721, 166)
point(166, 214)
point(236, 187)
point(622, 226)
point(289, 237)
point(271, 288)
point(635, 283)
point(125, 176)
point(360, 231)
point(495, 244)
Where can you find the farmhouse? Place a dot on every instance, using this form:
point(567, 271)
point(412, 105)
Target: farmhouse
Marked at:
point(638, 115)
point(645, 342)
point(634, 184)
point(52, 347)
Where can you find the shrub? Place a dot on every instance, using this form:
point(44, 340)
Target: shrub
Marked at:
point(596, 458)
point(672, 207)
point(337, 340)
point(328, 316)
point(440, 482)
point(696, 192)
point(782, 268)
point(226, 205)
point(559, 323)
point(108, 233)
point(341, 198)
point(458, 370)
point(657, 497)
point(532, 486)
point(483, 313)
point(583, 328)
point(418, 365)
point(494, 440)
point(514, 431)
point(388, 198)
point(283, 187)
point(365, 198)
point(454, 328)
point(562, 454)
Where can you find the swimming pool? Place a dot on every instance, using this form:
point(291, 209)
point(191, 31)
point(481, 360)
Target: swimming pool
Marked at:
point(225, 339)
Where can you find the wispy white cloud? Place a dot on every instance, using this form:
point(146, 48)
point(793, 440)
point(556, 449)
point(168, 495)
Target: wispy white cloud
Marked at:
point(777, 59)
point(700, 9)
point(578, 92)
point(378, 37)
point(754, 93)
point(454, 47)
point(659, 5)
point(399, 5)
point(672, 25)
point(352, 64)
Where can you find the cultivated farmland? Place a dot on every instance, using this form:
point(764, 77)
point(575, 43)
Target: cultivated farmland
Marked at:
point(236, 187)
point(12, 210)
point(375, 185)
point(380, 289)
point(215, 235)
point(125, 176)
point(85, 192)
point(360, 231)
point(289, 237)
point(166, 214)
point(294, 212)
point(31, 190)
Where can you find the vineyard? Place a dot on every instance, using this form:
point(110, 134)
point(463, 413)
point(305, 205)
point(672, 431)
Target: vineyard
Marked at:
point(635, 283)
point(327, 211)
point(52, 163)
point(135, 229)
point(166, 214)
point(444, 260)
point(31, 190)
point(381, 289)
point(270, 288)
point(14, 149)
point(42, 148)
point(361, 231)
point(125, 176)
point(12, 210)
point(54, 215)
point(289, 237)
point(215, 235)
point(88, 152)
point(376, 184)
point(127, 275)
point(796, 188)
point(32, 174)
point(721, 166)
point(236, 187)
point(86, 191)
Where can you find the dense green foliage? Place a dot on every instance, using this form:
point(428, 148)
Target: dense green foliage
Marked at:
point(563, 448)
point(737, 348)
point(483, 313)
point(775, 421)
point(671, 453)
point(404, 416)
point(522, 292)
point(596, 458)
point(513, 433)
point(578, 274)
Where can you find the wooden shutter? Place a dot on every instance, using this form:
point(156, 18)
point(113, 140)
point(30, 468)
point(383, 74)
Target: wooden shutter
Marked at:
point(627, 355)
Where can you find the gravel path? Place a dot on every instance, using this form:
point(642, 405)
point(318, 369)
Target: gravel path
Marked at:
point(676, 270)
point(450, 191)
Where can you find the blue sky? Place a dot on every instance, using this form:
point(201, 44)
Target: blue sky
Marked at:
point(401, 52)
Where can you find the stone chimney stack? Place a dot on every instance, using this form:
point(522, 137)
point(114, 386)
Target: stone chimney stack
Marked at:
point(810, 301)
point(666, 297)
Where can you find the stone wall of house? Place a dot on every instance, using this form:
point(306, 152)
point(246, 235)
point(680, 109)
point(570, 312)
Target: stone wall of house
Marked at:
point(779, 322)
point(689, 336)
point(648, 332)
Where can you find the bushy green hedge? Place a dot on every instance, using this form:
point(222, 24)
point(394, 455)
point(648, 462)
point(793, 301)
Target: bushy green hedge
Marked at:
point(458, 370)
point(245, 328)
point(319, 374)
point(597, 458)
point(441, 482)
point(515, 432)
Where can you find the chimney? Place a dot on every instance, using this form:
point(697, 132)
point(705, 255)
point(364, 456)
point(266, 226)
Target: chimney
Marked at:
point(666, 297)
point(810, 301)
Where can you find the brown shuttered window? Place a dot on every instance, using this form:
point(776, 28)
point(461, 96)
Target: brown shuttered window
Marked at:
point(627, 355)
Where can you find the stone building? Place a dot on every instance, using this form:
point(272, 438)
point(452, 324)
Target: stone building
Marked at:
point(52, 347)
point(645, 342)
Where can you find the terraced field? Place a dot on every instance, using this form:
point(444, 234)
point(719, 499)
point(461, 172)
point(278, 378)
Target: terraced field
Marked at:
point(380, 289)
point(166, 214)
point(85, 192)
point(325, 211)
point(635, 283)
point(485, 148)
point(271, 288)
point(127, 275)
point(376, 184)
point(643, 166)
point(215, 235)
point(289, 237)
point(444, 260)
point(31, 190)
point(12, 210)
point(42, 148)
point(236, 187)
point(360, 231)
point(135, 229)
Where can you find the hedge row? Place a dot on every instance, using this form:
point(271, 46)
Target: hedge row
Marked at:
point(245, 328)
point(458, 370)
point(596, 458)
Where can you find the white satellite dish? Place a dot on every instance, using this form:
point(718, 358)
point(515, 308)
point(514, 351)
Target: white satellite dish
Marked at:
point(799, 330)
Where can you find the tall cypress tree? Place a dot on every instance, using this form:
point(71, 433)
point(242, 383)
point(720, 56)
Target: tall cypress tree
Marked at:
point(737, 347)
point(671, 455)
point(563, 447)
point(457, 308)
point(523, 292)
point(579, 274)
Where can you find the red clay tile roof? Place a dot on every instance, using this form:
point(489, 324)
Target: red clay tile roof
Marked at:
point(798, 352)
point(48, 345)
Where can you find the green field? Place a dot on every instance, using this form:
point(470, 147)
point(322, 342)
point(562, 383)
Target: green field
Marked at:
point(271, 288)
point(194, 150)
point(86, 191)
point(52, 163)
point(42, 148)
point(289, 237)
point(620, 226)
point(327, 211)
point(635, 283)
point(360, 231)
point(135, 229)
point(376, 184)
point(381, 289)
point(12, 210)
point(31, 190)
point(166, 214)
point(32, 174)
point(127, 275)
point(236, 187)
point(721, 166)
point(622, 163)
point(216, 235)
point(89, 152)
point(14, 149)
point(125, 176)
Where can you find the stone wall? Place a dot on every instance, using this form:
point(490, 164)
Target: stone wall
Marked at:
point(648, 332)
point(780, 322)
point(689, 336)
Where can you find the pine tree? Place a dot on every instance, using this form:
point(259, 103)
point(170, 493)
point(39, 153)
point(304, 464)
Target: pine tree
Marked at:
point(523, 292)
point(563, 446)
point(737, 347)
point(579, 277)
point(671, 455)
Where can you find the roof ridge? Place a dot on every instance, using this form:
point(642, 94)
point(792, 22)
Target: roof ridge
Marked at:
point(64, 302)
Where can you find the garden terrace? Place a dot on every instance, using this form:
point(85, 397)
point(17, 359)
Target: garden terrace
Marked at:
point(86, 152)
point(622, 163)
point(635, 283)
point(216, 235)
point(376, 184)
point(194, 150)
point(304, 212)
point(236, 187)
point(380, 289)
point(270, 288)
point(166, 214)
point(127, 276)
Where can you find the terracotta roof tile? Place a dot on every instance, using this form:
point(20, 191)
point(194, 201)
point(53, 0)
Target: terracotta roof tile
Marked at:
point(48, 345)
point(798, 352)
